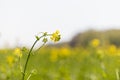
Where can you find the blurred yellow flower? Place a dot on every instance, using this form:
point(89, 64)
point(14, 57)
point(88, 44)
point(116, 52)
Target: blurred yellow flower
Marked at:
point(10, 60)
point(18, 52)
point(112, 49)
point(64, 52)
point(55, 36)
point(95, 42)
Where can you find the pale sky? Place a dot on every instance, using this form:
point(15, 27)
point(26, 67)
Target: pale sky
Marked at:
point(20, 20)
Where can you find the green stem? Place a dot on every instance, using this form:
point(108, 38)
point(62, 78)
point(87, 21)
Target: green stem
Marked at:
point(28, 59)
point(29, 76)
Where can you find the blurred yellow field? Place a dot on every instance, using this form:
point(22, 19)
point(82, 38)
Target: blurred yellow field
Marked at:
point(95, 62)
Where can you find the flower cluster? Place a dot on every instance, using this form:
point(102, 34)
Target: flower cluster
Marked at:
point(55, 36)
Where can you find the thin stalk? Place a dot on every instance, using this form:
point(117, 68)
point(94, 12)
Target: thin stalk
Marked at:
point(29, 76)
point(117, 74)
point(28, 59)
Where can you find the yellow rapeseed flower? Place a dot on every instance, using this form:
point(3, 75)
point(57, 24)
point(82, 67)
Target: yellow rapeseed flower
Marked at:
point(18, 52)
point(64, 52)
point(10, 60)
point(112, 49)
point(95, 42)
point(55, 36)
